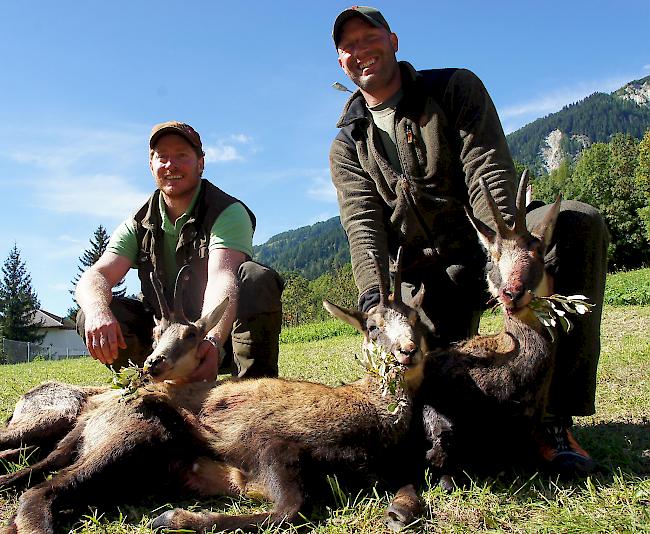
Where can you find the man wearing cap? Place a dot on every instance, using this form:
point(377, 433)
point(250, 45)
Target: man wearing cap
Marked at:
point(408, 158)
point(186, 221)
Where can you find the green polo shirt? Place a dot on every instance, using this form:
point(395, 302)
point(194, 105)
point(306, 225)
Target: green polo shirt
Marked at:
point(232, 229)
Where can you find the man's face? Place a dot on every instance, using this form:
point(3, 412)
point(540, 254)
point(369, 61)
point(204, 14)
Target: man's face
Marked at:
point(367, 54)
point(175, 166)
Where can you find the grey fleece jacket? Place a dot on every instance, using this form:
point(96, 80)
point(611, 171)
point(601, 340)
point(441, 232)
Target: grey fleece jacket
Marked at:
point(448, 136)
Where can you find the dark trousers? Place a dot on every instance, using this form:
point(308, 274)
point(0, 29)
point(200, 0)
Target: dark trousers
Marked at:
point(253, 347)
point(456, 295)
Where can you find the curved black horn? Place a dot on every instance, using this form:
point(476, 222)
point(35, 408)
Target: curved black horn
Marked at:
point(383, 298)
point(162, 301)
point(502, 228)
point(179, 289)
point(397, 292)
point(520, 217)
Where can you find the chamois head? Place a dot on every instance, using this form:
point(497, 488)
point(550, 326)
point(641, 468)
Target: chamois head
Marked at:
point(392, 325)
point(176, 339)
point(516, 255)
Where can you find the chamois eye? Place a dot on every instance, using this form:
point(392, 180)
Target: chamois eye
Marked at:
point(190, 335)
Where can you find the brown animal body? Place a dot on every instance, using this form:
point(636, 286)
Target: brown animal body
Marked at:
point(268, 436)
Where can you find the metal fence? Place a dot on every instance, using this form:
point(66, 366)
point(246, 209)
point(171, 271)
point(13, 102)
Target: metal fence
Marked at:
point(24, 351)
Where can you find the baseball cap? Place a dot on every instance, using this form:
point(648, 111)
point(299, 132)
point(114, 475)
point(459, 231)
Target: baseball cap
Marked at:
point(367, 13)
point(178, 128)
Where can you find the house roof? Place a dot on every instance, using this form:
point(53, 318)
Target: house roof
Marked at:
point(46, 319)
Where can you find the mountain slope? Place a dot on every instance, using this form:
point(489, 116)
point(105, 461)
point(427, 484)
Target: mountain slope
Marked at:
point(310, 250)
point(543, 143)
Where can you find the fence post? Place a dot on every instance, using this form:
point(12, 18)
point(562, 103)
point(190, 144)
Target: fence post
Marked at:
point(28, 352)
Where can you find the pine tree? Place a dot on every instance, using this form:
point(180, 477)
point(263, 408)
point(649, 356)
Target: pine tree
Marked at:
point(98, 244)
point(18, 301)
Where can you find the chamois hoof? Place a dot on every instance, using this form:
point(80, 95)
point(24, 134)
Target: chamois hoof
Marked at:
point(164, 520)
point(404, 510)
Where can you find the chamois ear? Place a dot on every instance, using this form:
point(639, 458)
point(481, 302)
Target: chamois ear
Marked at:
point(416, 301)
point(544, 230)
point(352, 317)
point(484, 232)
point(210, 320)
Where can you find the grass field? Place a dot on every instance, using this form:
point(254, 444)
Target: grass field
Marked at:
point(616, 499)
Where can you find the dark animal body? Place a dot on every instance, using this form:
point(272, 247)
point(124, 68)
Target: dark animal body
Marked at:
point(481, 398)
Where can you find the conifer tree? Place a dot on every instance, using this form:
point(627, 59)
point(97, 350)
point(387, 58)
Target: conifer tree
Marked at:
point(18, 301)
point(98, 244)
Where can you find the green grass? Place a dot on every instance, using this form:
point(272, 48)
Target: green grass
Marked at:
point(628, 287)
point(617, 499)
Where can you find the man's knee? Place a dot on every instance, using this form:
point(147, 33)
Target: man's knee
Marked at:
point(136, 323)
point(256, 330)
point(260, 289)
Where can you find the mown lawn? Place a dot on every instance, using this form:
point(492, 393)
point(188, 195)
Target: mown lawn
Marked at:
point(616, 499)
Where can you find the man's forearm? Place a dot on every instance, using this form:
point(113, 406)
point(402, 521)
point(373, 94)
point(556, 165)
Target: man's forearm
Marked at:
point(93, 291)
point(215, 293)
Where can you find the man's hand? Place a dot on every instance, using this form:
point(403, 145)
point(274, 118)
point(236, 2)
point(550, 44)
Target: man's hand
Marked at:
point(209, 367)
point(103, 336)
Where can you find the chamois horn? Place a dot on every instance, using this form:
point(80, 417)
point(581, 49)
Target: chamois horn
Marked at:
point(520, 217)
point(162, 301)
point(179, 288)
point(383, 297)
point(397, 292)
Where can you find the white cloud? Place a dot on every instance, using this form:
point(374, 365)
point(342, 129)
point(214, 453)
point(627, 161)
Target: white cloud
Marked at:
point(224, 150)
point(103, 195)
point(322, 189)
point(646, 67)
point(241, 138)
point(221, 153)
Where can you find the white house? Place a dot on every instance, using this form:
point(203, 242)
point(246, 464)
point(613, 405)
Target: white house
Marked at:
point(61, 336)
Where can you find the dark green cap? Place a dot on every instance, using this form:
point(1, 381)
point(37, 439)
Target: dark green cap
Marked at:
point(369, 14)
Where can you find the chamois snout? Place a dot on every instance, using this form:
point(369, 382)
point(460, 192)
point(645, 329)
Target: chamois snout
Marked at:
point(515, 296)
point(406, 352)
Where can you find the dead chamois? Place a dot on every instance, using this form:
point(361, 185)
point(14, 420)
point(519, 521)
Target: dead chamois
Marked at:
point(279, 438)
point(100, 438)
point(480, 398)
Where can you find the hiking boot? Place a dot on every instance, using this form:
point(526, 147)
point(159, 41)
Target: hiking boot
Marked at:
point(561, 453)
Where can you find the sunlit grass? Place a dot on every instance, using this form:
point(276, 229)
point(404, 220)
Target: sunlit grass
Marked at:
point(617, 499)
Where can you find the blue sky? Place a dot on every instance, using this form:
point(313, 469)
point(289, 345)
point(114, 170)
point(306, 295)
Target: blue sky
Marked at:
point(83, 82)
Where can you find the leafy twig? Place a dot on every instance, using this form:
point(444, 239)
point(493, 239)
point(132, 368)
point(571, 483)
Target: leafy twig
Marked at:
point(130, 379)
point(551, 311)
point(384, 366)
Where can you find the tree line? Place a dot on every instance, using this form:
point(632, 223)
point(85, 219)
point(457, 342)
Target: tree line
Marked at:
point(612, 176)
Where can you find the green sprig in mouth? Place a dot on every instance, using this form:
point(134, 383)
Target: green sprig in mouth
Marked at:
point(552, 311)
point(130, 379)
point(384, 366)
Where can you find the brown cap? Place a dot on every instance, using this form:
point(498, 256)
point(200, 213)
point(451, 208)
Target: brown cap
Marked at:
point(369, 14)
point(178, 128)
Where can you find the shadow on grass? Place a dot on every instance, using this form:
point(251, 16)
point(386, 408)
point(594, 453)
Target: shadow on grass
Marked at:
point(618, 445)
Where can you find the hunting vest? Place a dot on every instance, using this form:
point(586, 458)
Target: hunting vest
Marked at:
point(191, 249)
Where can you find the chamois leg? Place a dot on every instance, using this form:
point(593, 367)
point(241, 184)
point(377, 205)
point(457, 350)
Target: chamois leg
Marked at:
point(279, 475)
point(11, 455)
point(404, 509)
point(34, 514)
point(58, 458)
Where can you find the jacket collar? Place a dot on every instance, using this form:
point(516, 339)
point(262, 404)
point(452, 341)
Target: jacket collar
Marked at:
point(355, 108)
